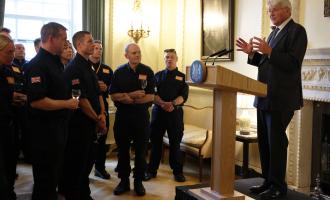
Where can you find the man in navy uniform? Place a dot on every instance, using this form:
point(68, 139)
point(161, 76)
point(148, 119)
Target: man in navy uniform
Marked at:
point(19, 59)
point(104, 74)
point(84, 123)
point(132, 90)
point(50, 100)
point(167, 115)
point(279, 63)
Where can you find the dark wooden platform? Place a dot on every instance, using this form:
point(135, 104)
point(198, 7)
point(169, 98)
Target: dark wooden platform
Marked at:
point(241, 185)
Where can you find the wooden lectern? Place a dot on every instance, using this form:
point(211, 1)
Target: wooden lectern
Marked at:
point(225, 85)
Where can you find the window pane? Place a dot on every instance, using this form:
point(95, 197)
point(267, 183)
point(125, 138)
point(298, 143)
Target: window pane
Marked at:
point(28, 8)
point(25, 18)
point(28, 29)
point(11, 24)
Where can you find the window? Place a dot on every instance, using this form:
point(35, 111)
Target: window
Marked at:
point(25, 18)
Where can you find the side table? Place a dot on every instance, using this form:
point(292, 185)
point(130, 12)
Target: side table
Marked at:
point(246, 140)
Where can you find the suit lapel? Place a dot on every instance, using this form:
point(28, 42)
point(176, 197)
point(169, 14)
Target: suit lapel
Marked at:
point(281, 34)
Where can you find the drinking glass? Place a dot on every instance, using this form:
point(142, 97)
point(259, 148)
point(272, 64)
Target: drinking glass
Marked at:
point(143, 84)
point(76, 93)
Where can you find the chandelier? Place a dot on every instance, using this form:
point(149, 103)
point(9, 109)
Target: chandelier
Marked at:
point(137, 31)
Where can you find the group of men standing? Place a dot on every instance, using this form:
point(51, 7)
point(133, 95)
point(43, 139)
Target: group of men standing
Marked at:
point(68, 115)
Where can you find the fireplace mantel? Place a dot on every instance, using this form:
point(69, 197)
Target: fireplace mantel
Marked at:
point(315, 75)
point(316, 87)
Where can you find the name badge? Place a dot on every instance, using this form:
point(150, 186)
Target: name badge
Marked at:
point(10, 80)
point(179, 78)
point(75, 82)
point(142, 77)
point(106, 71)
point(15, 69)
point(36, 79)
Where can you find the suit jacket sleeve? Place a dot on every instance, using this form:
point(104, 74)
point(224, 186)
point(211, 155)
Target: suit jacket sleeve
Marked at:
point(255, 60)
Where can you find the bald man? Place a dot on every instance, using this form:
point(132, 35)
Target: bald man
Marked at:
point(132, 91)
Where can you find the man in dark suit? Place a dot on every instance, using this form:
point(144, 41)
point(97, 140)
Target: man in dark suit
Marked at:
point(279, 61)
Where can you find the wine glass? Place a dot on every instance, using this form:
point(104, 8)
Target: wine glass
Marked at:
point(98, 136)
point(76, 93)
point(143, 84)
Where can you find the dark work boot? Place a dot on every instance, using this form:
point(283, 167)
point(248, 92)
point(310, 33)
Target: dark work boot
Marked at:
point(139, 188)
point(122, 187)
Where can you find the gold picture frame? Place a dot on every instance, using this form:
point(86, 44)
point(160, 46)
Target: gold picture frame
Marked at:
point(217, 28)
point(326, 8)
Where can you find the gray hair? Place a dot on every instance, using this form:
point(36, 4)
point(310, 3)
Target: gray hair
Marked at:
point(282, 3)
point(128, 46)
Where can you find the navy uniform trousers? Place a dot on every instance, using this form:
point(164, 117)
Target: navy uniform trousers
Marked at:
point(172, 122)
point(131, 125)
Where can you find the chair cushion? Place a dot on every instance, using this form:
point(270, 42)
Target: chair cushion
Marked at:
point(193, 135)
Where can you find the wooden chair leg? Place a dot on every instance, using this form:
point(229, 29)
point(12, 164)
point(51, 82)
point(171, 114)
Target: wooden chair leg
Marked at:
point(200, 168)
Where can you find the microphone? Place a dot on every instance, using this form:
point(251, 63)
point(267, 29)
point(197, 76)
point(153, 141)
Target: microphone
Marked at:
point(218, 52)
point(214, 54)
point(222, 54)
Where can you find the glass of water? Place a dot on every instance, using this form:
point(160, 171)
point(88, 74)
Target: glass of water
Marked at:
point(143, 84)
point(76, 93)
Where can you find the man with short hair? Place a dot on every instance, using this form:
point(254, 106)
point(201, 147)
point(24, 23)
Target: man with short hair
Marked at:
point(36, 44)
point(19, 59)
point(84, 123)
point(104, 74)
point(50, 100)
point(167, 115)
point(132, 90)
point(279, 61)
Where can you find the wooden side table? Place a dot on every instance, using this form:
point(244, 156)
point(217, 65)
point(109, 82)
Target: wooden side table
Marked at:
point(246, 140)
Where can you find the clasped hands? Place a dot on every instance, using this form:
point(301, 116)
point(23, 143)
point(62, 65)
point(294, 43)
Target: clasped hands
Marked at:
point(255, 44)
point(133, 97)
point(167, 106)
point(19, 99)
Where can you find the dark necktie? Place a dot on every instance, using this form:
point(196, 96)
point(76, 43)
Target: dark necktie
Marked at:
point(273, 36)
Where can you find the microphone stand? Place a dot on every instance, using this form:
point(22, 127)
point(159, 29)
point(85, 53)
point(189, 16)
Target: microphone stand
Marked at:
point(222, 54)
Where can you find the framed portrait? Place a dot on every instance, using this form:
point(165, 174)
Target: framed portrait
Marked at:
point(326, 8)
point(217, 28)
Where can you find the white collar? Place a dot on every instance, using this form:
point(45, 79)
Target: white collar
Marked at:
point(280, 27)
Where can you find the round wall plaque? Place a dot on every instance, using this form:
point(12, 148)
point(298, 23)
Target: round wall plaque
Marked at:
point(198, 71)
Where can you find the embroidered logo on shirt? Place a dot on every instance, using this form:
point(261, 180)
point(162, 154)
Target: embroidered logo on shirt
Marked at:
point(106, 71)
point(10, 80)
point(179, 78)
point(75, 81)
point(15, 69)
point(142, 77)
point(36, 79)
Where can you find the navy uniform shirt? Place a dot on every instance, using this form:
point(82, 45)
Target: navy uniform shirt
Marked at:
point(126, 80)
point(45, 78)
point(81, 76)
point(171, 84)
point(6, 92)
point(19, 63)
point(104, 73)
